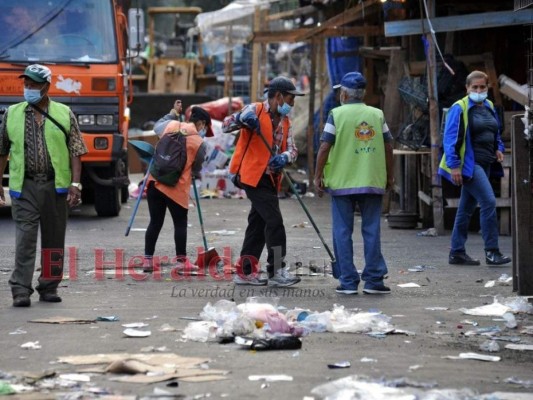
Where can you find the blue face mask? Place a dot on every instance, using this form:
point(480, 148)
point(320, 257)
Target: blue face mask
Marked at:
point(32, 96)
point(202, 132)
point(284, 109)
point(477, 97)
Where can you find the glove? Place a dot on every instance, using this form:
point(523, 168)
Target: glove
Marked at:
point(278, 162)
point(249, 119)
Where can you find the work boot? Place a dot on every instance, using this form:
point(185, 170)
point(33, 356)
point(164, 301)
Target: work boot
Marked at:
point(21, 300)
point(494, 257)
point(462, 259)
point(50, 297)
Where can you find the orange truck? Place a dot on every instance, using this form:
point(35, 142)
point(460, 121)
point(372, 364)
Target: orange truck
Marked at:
point(84, 43)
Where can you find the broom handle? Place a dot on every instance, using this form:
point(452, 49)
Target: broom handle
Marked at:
point(291, 185)
point(199, 212)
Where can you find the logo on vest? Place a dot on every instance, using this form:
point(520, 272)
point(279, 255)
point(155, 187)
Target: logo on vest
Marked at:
point(364, 131)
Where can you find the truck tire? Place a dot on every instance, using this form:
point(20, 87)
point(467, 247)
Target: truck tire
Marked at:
point(107, 199)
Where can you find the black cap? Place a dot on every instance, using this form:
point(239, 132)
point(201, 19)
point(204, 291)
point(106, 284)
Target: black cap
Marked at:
point(284, 85)
point(199, 114)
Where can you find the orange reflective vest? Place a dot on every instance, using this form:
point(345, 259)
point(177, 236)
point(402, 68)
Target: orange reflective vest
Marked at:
point(251, 155)
point(180, 192)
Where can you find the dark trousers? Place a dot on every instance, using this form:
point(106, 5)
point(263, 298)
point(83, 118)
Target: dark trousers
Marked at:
point(265, 226)
point(39, 206)
point(157, 206)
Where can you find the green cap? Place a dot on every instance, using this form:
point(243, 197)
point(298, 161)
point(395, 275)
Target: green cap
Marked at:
point(38, 73)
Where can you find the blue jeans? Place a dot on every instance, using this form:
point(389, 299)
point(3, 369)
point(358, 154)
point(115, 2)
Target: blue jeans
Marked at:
point(474, 191)
point(343, 213)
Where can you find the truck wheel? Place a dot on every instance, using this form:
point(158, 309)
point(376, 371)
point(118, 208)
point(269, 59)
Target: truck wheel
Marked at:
point(124, 195)
point(107, 199)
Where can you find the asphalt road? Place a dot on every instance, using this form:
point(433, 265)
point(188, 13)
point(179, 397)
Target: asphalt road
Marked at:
point(437, 333)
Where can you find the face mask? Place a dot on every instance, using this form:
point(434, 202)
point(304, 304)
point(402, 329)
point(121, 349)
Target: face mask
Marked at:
point(477, 97)
point(32, 96)
point(284, 109)
point(202, 132)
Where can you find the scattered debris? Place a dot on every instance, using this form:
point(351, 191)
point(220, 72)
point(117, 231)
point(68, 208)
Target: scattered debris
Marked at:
point(409, 285)
point(271, 378)
point(431, 232)
point(521, 347)
point(110, 318)
point(136, 333)
point(135, 325)
point(474, 356)
point(62, 320)
point(437, 308)
point(490, 346)
point(31, 345)
point(341, 364)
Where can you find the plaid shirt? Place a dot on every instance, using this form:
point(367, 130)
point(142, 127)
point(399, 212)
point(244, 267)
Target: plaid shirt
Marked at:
point(232, 123)
point(36, 157)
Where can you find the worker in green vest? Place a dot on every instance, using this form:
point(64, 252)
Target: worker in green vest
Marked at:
point(44, 145)
point(354, 165)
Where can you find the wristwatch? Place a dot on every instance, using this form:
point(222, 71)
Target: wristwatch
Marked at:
point(77, 185)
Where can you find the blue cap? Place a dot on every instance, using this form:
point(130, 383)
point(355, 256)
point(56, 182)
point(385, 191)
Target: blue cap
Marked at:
point(352, 80)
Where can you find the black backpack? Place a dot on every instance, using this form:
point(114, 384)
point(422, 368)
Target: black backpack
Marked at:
point(170, 157)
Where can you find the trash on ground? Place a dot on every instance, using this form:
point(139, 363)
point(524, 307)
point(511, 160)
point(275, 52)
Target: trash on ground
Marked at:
point(223, 232)
point(521, 347)
point(490, 346)
point(75, 377)
point(474, 356)
point(136, 333)
point(148, 367)
point(495, 309)
point(432, 232)
point(109, 318)
point(420, 268)
point(167, 328)
point(437, 308)
point(517, 381)
point(18, 331)
point(503, 280)
point(31, 345)
point(368, 360)
point(341, 364)
point(135, 325)
point(409, 285)
point(271, 378)
point(527, 330)
point(510, 320)
point(62, 320)
point(487, 331)
point(469, 322)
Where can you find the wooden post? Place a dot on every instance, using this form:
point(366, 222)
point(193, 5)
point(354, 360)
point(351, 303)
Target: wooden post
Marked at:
point(523, 209)
point(438, 211)
point(310, 128)
point(256, 48)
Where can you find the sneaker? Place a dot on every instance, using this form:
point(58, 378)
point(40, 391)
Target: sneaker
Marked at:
point(377, 289)
point(342, 290)
point(252, 280)
point(283, 278)
point(148, 265)
point(494, 257)
point(50, 297)
point(462, 259)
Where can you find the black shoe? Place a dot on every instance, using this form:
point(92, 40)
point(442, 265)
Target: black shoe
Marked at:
point(494, 257)
point(462, 259)
point(50, 297)
point(21, 300)
point(377, 289)
point(342, 290)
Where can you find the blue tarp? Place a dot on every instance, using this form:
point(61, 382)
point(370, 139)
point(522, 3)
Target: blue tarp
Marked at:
point(341, 59)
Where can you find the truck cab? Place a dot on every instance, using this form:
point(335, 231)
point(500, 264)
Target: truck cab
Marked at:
point(84, 43)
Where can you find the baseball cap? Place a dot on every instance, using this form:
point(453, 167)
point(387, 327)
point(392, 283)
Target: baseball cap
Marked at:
point(199, 114)
point(352, 80)
point(38, 73)
point(285, 85)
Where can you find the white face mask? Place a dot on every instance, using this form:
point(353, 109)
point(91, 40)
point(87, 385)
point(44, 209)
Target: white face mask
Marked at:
point(202, 132)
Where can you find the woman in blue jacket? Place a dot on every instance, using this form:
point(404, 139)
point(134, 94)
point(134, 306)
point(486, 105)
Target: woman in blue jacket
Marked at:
point(472, 143)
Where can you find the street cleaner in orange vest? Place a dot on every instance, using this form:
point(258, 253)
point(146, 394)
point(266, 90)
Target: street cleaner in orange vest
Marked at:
point(258, 172)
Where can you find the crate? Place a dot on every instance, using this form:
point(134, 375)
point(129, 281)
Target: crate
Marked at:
point(414, 93)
